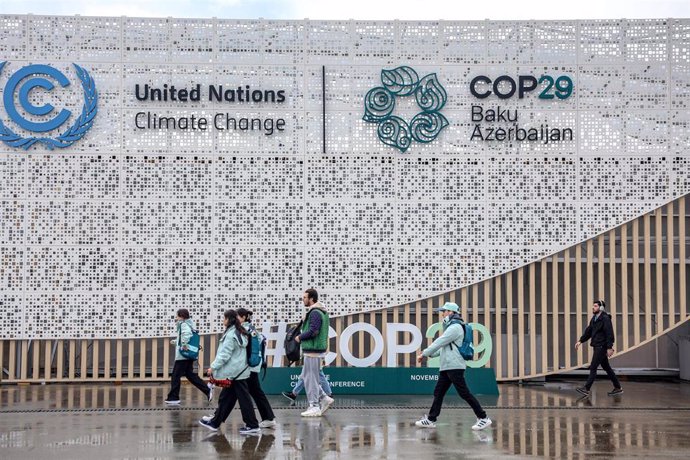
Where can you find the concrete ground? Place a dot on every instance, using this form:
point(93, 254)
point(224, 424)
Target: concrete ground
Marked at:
point(650, 420)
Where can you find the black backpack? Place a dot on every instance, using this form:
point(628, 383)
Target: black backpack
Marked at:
point(292, 348)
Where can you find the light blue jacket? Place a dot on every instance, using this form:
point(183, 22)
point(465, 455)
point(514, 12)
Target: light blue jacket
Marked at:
point(231, 359)
point(447, 346)
point(184, 333)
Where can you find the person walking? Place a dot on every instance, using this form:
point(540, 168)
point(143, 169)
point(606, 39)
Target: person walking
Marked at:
point(299, 386)
point(452, 369)
point(231, 368)
point(184, 366)
point(314, 343)
point(600, 334)
point(255, 390)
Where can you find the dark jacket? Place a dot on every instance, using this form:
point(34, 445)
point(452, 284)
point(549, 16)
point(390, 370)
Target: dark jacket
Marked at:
point(600, 331)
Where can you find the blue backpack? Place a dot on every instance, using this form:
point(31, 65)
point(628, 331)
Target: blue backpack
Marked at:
point(466, 349)
point(256, 349)
point(192, 351)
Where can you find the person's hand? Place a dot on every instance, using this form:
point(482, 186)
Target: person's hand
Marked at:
point(173, 342)
point(209, 371)
point(577, 344)
point(184, 347)
point(610, 352)
point(297, 339)
point(420, 358)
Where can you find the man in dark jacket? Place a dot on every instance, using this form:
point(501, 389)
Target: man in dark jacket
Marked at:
point(600, 331)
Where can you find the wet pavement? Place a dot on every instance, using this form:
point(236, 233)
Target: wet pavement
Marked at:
point(650, 420)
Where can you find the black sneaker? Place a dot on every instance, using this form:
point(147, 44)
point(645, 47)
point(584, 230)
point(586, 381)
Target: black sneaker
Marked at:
point(290, 395)
point(583, 391)
point(615, 391)
point(208, 424)
point(251, 431)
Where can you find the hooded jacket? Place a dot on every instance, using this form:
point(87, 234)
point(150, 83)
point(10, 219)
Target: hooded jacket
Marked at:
point(184, 333)
point(231, 358)
point(314, 337)
point(448, 345)
point(600, 331)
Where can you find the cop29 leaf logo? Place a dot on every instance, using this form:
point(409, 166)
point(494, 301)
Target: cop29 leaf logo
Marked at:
point(379, 104)
point(20, 81)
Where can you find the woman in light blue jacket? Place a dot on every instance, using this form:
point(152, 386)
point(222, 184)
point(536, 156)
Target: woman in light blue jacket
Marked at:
point(184, 366)
point(231, 364)
point(451, 370)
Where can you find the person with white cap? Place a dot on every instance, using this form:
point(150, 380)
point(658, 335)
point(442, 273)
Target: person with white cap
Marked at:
point(451, 370)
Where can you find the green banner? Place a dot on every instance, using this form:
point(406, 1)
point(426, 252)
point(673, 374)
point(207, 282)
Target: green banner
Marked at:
point(380, 380)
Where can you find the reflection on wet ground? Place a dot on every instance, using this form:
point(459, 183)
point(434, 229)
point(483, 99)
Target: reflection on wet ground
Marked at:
point(68, 421)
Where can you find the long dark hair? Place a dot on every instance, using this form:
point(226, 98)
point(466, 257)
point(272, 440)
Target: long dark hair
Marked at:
point(231, 316)
point(246, 313)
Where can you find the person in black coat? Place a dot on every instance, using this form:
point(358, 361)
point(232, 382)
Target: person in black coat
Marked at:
point(600, 334)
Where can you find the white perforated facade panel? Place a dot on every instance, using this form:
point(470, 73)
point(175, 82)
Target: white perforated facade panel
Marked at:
point(108, 237)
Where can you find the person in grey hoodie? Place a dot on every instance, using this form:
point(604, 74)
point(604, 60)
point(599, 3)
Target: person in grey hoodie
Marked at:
point(184, 366)
point(452, 369)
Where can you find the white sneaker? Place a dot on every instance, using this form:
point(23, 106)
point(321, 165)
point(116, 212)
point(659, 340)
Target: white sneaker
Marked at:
point(424, 422)
point(482, 437)
point(267, 424)
point(207, 418)
point(482, 423)
point(325, 403)
point(313, 411)
point(172, 402)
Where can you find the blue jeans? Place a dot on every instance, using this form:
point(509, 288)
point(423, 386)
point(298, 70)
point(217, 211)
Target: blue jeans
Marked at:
point(299, 386)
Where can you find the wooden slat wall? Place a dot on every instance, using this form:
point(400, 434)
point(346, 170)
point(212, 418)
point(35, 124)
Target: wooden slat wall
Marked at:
point(649, 305)
point(671, 279)
point(532, 320)
point(612, 282)
point(521, 322)
point(624, 285)
point(682, 288)
point(659, 317)
point(654, 297)
point(498, 330)
point(636, 279)
point(487, 308)
point(590, 292)
point(510, 355)
point(555, 318)
point(579, 324)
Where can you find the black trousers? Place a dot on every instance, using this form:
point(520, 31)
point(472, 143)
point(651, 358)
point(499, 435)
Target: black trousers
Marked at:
point(454, 377)
point(184, 367)
point(237, 392)
point(600, 358)
point(259, 397)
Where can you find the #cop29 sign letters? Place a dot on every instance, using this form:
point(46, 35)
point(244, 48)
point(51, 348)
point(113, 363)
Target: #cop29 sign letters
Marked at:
point(27, 85)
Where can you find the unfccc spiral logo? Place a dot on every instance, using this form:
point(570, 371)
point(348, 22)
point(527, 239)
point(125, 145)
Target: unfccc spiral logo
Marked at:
point(28, 79)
